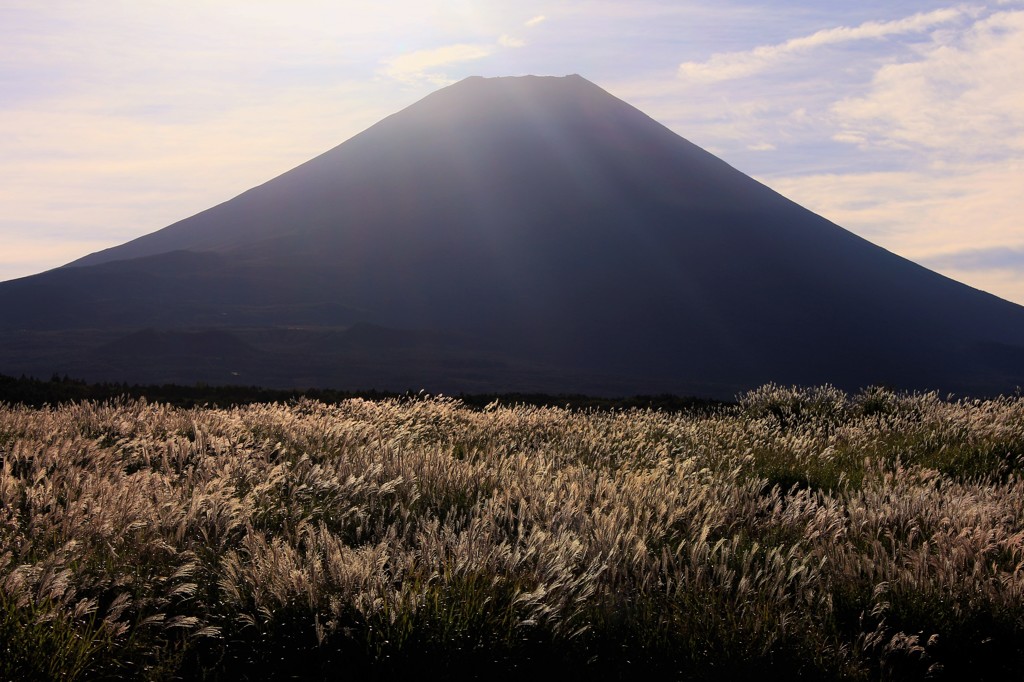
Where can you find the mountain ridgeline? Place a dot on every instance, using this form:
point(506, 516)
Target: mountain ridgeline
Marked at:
point(511, 234)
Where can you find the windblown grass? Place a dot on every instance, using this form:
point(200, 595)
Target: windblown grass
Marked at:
point(801, 534)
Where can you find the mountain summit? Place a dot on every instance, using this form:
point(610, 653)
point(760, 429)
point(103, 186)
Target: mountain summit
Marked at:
point(527, 234)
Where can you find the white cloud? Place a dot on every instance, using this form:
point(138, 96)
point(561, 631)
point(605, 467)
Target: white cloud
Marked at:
point(422, 64)
point(963, 97)
point(730, 65)
point(427, 65)
point(850, 137)
point(509, 41)
point(539, 19)
point(761, 147)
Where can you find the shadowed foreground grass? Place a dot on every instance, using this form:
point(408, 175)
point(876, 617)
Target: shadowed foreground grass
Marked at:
point(800, 534)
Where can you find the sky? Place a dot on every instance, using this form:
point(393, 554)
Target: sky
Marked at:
point(903, 122)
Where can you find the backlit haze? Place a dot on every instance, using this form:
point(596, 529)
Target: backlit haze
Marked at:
point(901, 121)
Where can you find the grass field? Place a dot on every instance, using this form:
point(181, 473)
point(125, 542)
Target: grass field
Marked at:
point(801, 534)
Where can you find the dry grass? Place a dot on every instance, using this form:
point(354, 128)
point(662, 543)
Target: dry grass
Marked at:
point(801, 534)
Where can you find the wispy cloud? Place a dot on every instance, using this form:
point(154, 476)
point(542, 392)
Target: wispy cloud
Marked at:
point(731, 65)
point(963, 96)
point(423, 64)
point(509, 41)
point(995, 258)
point(539, 19)
point(429, 65)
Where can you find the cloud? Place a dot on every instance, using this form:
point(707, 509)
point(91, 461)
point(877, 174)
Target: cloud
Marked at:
point(731, 65)
point(539, 19)
point(850, 137)
point(995, 258)
point(427, 65)
point(509, 41)
point(421, 64)
point(761, 147)
point(962, 97)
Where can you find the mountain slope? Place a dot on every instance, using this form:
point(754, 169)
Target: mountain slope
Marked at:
point(555, 238)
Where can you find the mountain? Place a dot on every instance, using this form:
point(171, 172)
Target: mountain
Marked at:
point(528, 234)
